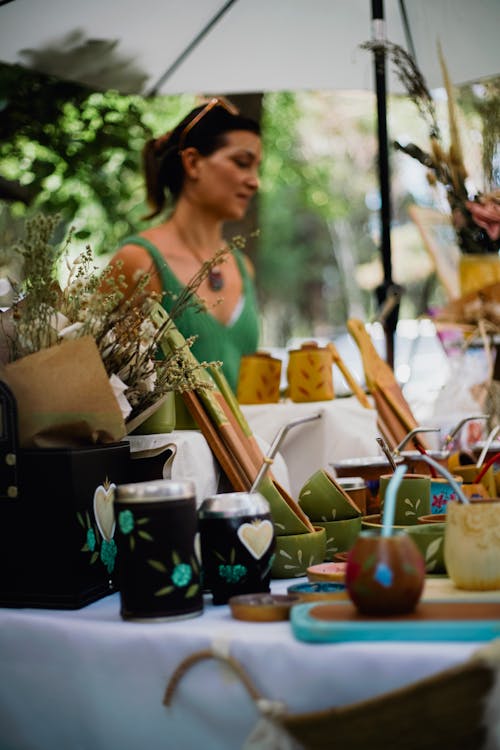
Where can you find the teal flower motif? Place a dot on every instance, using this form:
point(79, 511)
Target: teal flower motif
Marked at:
point(181, 575)
point(91, 540)
point(383, 574)
point(232, 573)
point(108, 554)
point(126, 521)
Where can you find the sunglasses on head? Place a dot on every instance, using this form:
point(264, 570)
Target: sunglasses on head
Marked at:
point(215, 102)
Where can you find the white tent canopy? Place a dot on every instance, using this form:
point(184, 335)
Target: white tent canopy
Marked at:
point(255, 45)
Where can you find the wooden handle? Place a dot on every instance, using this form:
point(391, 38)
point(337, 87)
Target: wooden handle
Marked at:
point(349, 378)
point(228, 464)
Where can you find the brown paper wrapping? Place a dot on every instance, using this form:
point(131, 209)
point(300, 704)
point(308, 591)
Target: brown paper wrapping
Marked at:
point(64, 398)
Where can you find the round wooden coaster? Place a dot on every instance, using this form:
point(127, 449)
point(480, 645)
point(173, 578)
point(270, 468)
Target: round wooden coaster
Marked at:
point(262, 607)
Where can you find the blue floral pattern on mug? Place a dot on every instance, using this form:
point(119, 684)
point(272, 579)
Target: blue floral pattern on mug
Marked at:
point(232, 573)
point(108, 554)
point(181, 575)
point(91, 540)
point(126, 521)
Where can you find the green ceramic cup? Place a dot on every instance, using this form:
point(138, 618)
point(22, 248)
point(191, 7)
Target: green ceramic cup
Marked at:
point(288, 517)
point(322, 499)
point(294, 553)
point(162, 420)
point(429, 538)
point(340, 535)
point(413, 498)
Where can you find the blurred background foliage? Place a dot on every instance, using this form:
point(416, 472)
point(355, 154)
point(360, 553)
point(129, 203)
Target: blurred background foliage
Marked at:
point(67, 150)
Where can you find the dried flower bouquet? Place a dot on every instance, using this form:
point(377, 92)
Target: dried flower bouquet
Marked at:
point(92, 305)
point(475, 217)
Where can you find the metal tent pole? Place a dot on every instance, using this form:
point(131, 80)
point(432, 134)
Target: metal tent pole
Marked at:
point(388, 293)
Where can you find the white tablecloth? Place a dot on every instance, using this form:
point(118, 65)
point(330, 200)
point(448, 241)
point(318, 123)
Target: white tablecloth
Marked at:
point(86, 680)
point(346, 430)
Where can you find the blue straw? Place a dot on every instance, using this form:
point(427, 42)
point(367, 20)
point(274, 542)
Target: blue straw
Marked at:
point(390, 500)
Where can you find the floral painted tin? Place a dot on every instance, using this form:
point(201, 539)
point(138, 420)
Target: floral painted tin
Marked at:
point(158, 571)
point(237, 544)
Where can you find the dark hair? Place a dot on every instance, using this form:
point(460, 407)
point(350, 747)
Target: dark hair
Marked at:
point(161, 156)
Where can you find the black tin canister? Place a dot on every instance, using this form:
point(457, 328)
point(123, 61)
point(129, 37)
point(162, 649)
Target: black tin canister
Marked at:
point(158, 571)
point(237, 544)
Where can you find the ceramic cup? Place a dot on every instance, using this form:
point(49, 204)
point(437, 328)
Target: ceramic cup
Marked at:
point(370, 469)
point(259, 379)
point(472, 544)
point(413, 498)
point(237, 544)
point(158, 570)
point(442, 492)
point(288, 517)
point(385, 575)
point(429, 538)
point(322, 499)
point(469, 476)
point(340, 535)
point(309, 373)
point(296, 552)
point(357, 490)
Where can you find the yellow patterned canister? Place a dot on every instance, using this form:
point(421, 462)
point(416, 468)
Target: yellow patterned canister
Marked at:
point(259, 379)
point(310, 373)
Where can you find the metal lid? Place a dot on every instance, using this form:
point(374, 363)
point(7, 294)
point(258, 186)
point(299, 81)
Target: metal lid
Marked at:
point(155, 491)
point(351, 483)
point(233, 504)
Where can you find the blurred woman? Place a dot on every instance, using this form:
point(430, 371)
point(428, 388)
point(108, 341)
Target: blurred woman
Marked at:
point(206, 171)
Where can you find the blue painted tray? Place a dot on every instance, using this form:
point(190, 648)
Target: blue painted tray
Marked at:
point(338, 622)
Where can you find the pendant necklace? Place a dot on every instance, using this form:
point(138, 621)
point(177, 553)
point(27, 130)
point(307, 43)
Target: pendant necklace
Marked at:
point(215, 279)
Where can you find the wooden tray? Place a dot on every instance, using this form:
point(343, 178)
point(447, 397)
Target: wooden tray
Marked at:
point(337, 622)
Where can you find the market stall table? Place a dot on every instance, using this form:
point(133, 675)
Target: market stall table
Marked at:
point(86, 679)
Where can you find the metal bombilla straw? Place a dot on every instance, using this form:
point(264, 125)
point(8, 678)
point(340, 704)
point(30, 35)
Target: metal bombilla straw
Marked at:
point(449, 438)
point(268, 460)
point(494, 432)
point(411, 434)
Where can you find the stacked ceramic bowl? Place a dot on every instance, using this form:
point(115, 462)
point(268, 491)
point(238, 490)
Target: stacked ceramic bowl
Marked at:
point(328, 506)
point(299, 542)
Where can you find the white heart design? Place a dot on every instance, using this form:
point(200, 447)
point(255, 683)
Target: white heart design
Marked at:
point(104, 511)
point(256, 537)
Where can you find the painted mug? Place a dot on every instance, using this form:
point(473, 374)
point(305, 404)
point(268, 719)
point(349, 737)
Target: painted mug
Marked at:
point(413, 498)
point(159, 573)
point(259, 379)
point(237, 542)
point(309, 374)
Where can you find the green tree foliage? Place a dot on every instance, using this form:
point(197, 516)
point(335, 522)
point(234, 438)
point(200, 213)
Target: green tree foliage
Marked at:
point(77, 153)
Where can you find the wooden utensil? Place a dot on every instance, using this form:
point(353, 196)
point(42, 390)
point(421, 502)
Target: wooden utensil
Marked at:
point(349, 378)
point(381, 382)
point(229, 465)
point(210, 405)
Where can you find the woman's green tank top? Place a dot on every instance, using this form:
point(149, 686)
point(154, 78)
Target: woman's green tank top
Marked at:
point(215, 340)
